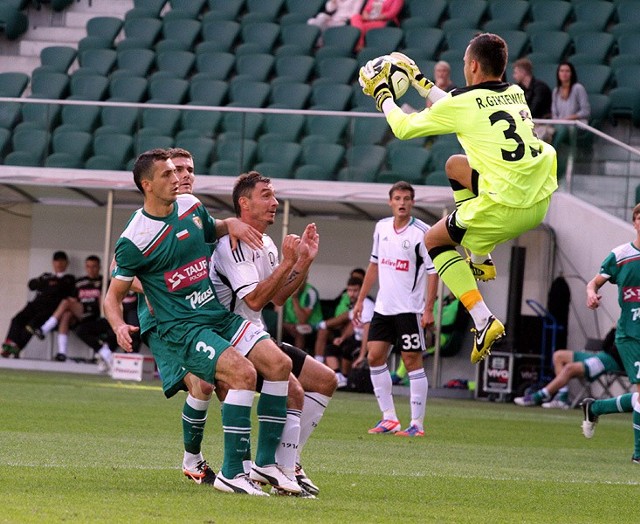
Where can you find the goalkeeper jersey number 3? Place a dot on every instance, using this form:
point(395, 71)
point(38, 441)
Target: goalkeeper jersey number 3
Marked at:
point(493, 124)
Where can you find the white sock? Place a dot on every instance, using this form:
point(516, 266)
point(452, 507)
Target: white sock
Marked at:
point(287, 450)
point(312, 411)
point(190, 461)
point(418, 385)
point(49, 325)
point(105, 353)
point(381, 380)
point(63, 340)
point(480, 314)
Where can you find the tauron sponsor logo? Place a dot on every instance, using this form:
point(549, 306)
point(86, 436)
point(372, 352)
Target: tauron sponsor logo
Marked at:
point(197, 298)
point(398, 265)
point(631, 294)
point(186, 275)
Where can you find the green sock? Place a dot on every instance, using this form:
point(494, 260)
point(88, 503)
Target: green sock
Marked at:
point(272, 415)
point(454, 272)
point(194, 417)
point(621, 404)
point(236, 426)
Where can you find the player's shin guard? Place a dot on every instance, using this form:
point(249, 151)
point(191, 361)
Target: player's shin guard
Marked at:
point(287, 450)
point(418, 386)
point(236, 425)
point(312, 411)
point(272, 415)
point(194, 417)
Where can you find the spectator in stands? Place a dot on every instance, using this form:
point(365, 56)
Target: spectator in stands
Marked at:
point(376, 13)
point(568, 364)
point(442, 78)
point(81, 312)
point(336, 13)
point(569, 100)
point(302, 313)
point(536, 92)
point(351, 342)
point(50, 288)
point(330, 327)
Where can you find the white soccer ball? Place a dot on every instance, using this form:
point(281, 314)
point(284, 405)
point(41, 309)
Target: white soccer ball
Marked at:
point(399, 82)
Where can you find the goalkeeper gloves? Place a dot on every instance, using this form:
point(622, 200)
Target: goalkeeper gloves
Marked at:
point(374, 80)
point(421, 83)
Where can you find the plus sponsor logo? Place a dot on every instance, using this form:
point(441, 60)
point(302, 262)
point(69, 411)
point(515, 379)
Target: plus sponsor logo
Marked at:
point(631, 294)
point(187, 275)
point(397, 264)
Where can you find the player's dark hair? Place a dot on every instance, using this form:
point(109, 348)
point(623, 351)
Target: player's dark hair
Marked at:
point(244, 185)
point(401, 185)
point(142, 168)
point(60, 255)
point(354, 281)
point(178, 152)
point(491, 53)
point(574, 74)
point(92, 258)
point(524, 64)
point(358, 271)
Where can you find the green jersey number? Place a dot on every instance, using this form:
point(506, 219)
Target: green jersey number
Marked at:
point(510, 134)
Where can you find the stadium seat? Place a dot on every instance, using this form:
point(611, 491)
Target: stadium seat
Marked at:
point(192, 8)
point(168, 90)
point(290, 95)
point(217, 64)
point(207, 92)
point(327, 157)
point(79, 118)
point(99, 61)
point(366, 159)
point(512, 11)
point(39, 116)
point(263, 34)
point(101, 33)
point(248, 94)
point(295, 68)
point(625, 102)
point(124, 88)
point(627, 11)
point(330, 96)
point(629, 43)
point(539, 27)
point(162, 122)
point(594, 77)
point(368, 131)
point(283, 154)
point(302, 35)
point(32, 141)
point(202, 150)
point(184, 31)
point(554, 43)
point(409, 162)
point(220, 35)
point(313, 172)
point(137, 62)
point(305, 8)
point(388, 38)
point(69, 149)
point(110, 151)
point(255, 67)
point(342, 39)
point(517, 42)
point(57, 58)
point(440, 153)
point(239, 151)
point(230, 8)
point(628, 76)
point(458, 39)
point(330, 129)
point(146, 31)
point(437, 178)
point(430, 12)
point(598, 46)
point(624, 59)
point(118, 120)
point(555, 12)
point(471, 10)
point(153, 7)
point(12, 85)
point(49, 85)
point(178, 63)
point(429, 40)
point(144, 142)
point(598, 12)
point(600, 105)
point(88, 87)
point(204, 123)
point(340, 70)
point(13, 23)
point(287, 126)
point(242, 125)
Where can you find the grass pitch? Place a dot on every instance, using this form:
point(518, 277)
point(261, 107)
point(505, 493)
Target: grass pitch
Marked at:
point(88, 449)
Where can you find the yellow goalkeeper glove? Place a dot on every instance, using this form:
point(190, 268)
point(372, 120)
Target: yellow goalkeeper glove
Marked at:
point(421, 83)
point(373, 77)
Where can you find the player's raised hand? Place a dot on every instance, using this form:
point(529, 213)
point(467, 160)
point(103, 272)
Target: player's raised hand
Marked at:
point(289, 248)
point(374, 80)
point(421, 83)
point(309, 242)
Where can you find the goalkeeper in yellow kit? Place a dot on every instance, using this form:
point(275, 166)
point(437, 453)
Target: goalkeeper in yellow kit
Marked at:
point(503, 184)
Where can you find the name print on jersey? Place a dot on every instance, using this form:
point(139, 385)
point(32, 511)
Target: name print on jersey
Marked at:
point(187, 275)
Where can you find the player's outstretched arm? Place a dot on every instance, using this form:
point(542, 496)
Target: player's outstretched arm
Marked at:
point(238, 230)
point(593, 298)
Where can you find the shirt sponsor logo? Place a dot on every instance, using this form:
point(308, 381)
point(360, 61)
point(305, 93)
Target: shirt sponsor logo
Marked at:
point(186, 275)
point(199, 298)
point(631, 294)
point(398, 265)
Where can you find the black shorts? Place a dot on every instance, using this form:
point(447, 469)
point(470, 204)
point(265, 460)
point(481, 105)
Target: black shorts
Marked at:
point(297, 357)
point(403, 331)
point(348, 350)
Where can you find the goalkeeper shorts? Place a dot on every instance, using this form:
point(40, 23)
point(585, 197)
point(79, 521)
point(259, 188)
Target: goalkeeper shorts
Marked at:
point(483, 223)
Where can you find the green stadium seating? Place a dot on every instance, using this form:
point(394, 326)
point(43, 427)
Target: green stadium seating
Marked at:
point(248, 94)
point(555, 12)
point(178, 63)
point(13, 84)
point(471, 10)
point(305, 8)
point(262, 34)
point(137, 62)
point(207, 92)
point(430, 12)
point(290, 95)
point(287, 126)
point(388, 38)
point(79, 118)
point(88, 87)
point(124, 88)
point(340, 70)
point(168, 90)
point(202, 150)
point(13, 23)
point(110, 151)
point(118, 120)
point(295, 68)
point(598, 12)
point(303, 35)
point(69, 149)
point(217, 64)
point(204, 123)
point(429, 40)
point(220, 35)
point(512, 11)
point(99, 61)
point(255, 66)
point(330, 96)
point(554, 43)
